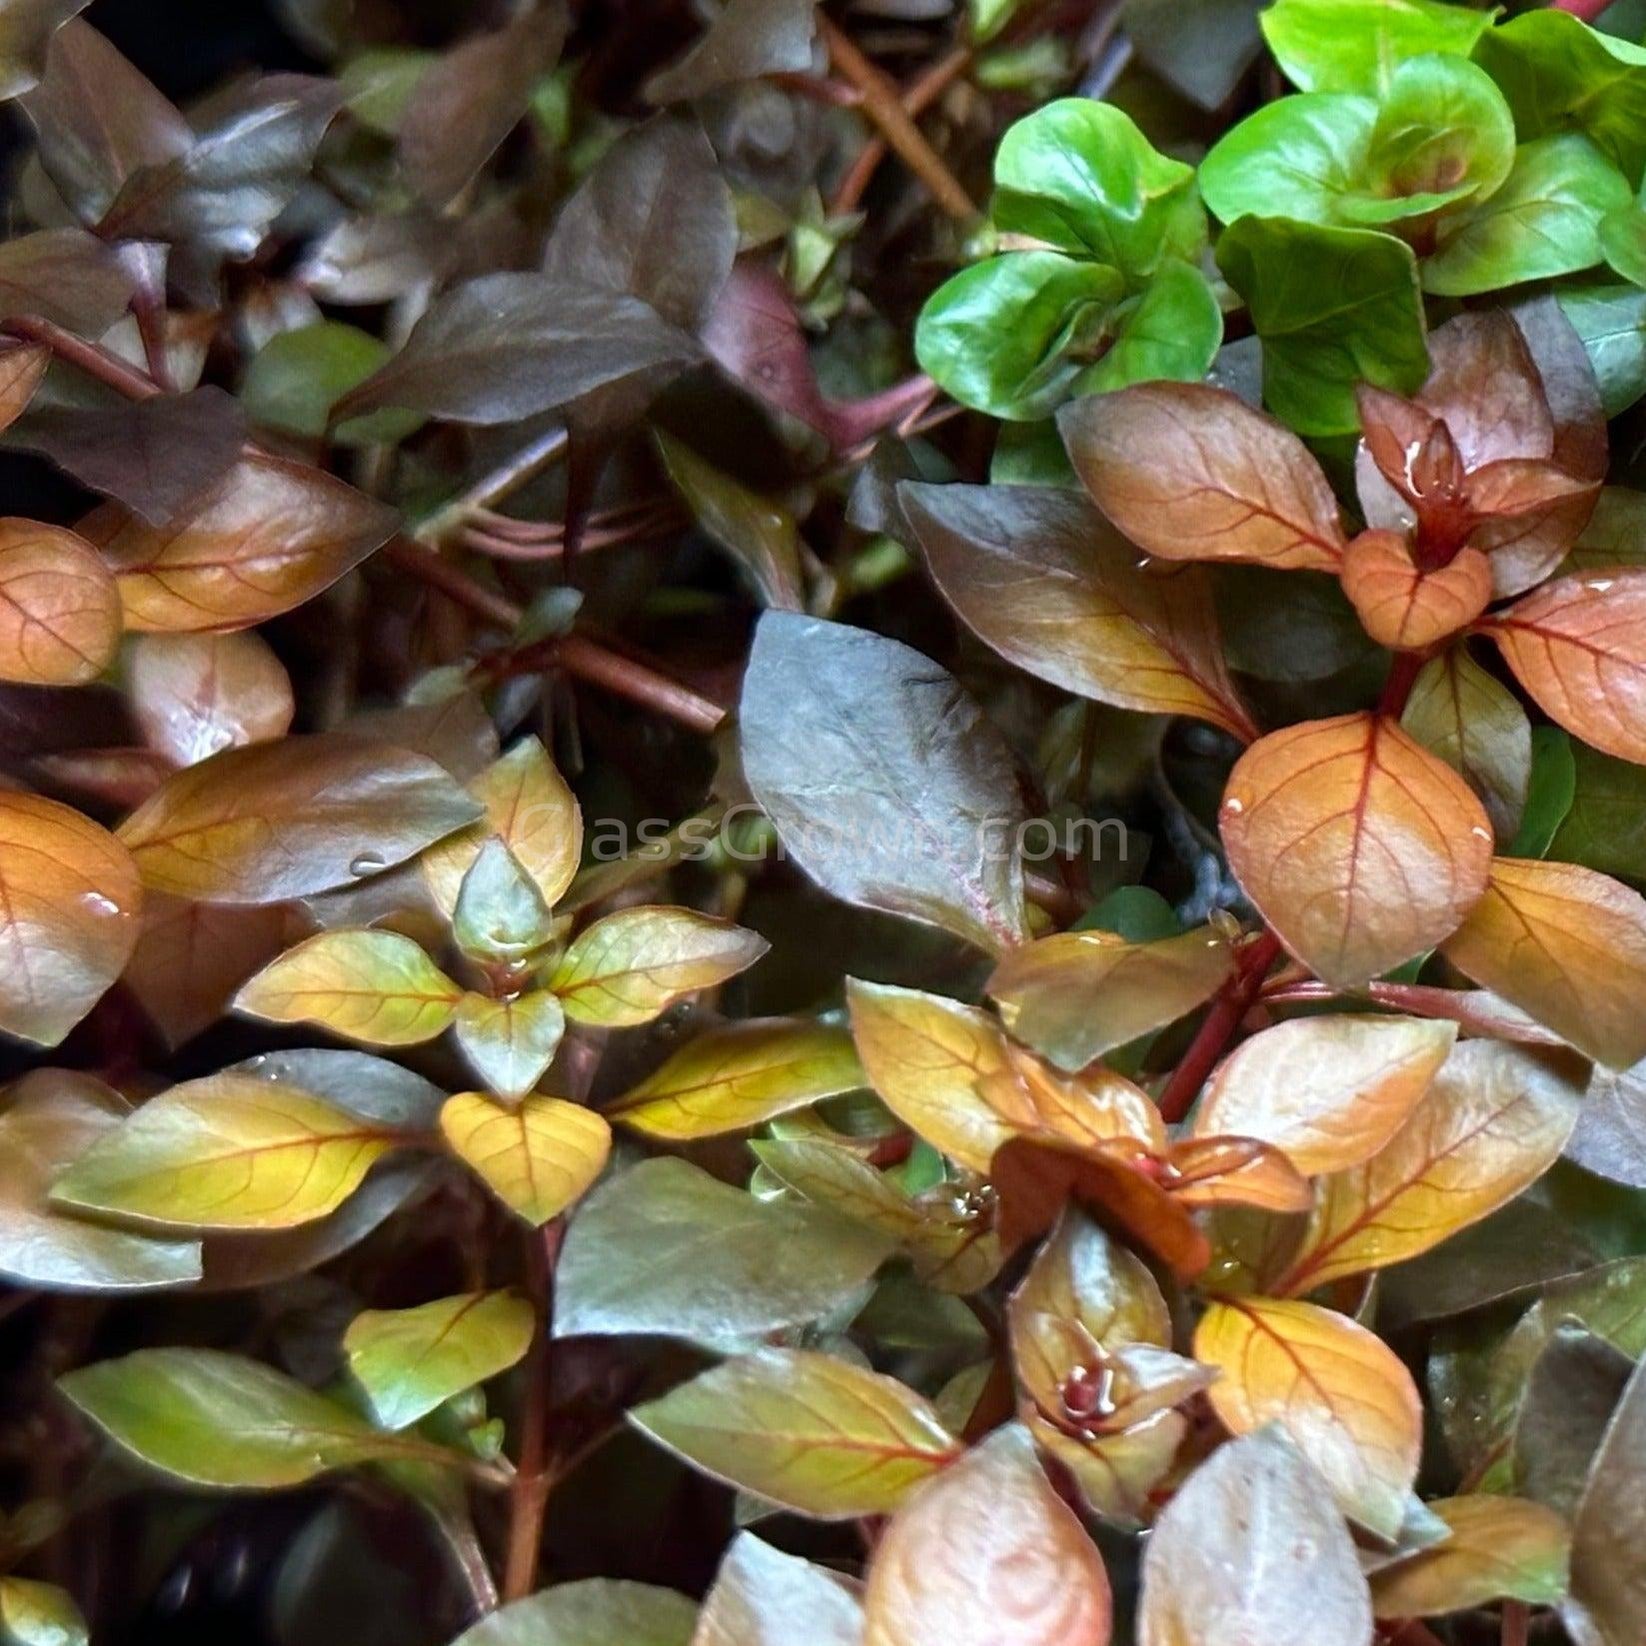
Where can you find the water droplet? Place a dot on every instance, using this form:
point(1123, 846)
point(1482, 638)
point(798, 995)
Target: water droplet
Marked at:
point(1598, 585)
point(1234, 805)
point(1480, 833)
point(99, 905)
point(367, 863)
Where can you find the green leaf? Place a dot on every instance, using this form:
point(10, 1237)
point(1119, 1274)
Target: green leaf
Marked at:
point(510, 1043)
point(1623, 240)
point(500, 914)
point(231, 1151)
point(735, 1077)
point(219, 1419)
point(813, 1433)
point(632, 965)
point(1172, 329)
point(665, 1248)
point(1611, 321)
point(1356, 45)
point(596, 1612)
point(1544, 221)
point(1605, 826)
point(1549, 793)
point(1079, 175)
point(1560, 75)
point(375, 986)
point(1011, 335)
point(1334, 308)
point(39, 1614)
point(1296, 157)
point(411, 1360)
point(296, 378)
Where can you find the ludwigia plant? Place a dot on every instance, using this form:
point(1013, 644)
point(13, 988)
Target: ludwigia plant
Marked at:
point(749, 897)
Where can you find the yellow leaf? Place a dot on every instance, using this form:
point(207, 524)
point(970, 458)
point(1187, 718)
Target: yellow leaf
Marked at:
point(1357, 845)
point(530, 809)
point(1566, 945)
point(59, 607)
point(231, 1151)
point(510, 1043)
point(735, 1077)
point(374, 986)
point(1344, 1398)
point(632, 965)
point(1501, 1548)
point(1493, 1120)
point(986, 1554)
point(537, 1158)
point(1327, 1091)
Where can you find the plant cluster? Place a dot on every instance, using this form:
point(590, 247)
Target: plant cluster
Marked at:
point(824, 1217)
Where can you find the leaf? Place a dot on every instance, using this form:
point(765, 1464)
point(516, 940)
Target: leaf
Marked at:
point(216, 1419)
point(665, 1249)
point(1329, 1092)
point(1190, 472)
point(286, 819)
point(1462, 714)
point(254, 143)
point(761, 536)
point(883, 778)
point(1353, 45)
point(1574, 645)
point(193, 695)
point(273, 535)
point(1333, 1388)
point(1608, 1589)
point(23, 368)
point(59, 608)
point(1077, 995)
point(1566, 945)
point(375, 986)
point(1252, 1547)
point(295, 379)
point(813, 1433)
point(1334, 308)
point(500, 917)
point(464, 105)
point(69, 898)
point(1544, 221)
point(763, 1597)
point(1500, 1548)
point(26, 28)
point(510, 1043)
point(1359, 848)
point(748, 38)
point(40, 1614)
point(229, 1151)
point(595, 1612)
point(1610, 1139)
point(1611, 323)
point(409, 1361)
point(538, 1156)
point(1040, 576)
point(63, 275)
point(1171, 329)
point(987, 1552)
point(1571, 1391)
point(1408, 609)
point(1492, 1121)
point(530, 809)
point(732, 1078)
point(629, 966)
point(508, 346)
point(51, 1117)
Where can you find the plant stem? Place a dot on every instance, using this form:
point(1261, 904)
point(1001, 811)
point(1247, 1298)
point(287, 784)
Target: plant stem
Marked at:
point(885, 108)
point(92, 358)
point(1398, 687)
point(1516, 1623)
point(533, 1477)
point(509, 475)
point(1418, 999)
point(919, 95)
point(1221, 1021)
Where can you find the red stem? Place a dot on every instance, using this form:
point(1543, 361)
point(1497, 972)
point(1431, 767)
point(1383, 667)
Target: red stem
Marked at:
point(1220, 1024)
point(1516, 1623)
point(1588, 10)
point(533, 1478)
point(1398, 687)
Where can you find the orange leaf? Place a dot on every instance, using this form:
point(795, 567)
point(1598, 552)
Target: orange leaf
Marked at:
point(1041, 577)
point(22, 367)
point(1358, 846)
point(1407, 609)
point(59, 608)
point(1191, 472)
point(195, 694)
point(986, 1554)
point(1568, 946)
point(1235, 1171)
point(1578, 646)
point(1345, 1400)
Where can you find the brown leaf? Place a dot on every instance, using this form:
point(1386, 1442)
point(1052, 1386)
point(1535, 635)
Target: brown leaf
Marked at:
point(194, 695)
point(272, 535)
point(26, 28)
point(1358, 846)
point(1578, 646)
point(1568, 946)
point(59, 608)
point(1407, 609)
point(747, 38)
point(986, 1554)
point(22, 366)
point(66, 276)
point(69, 898)
point(1190, 472)
point(280, 820)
